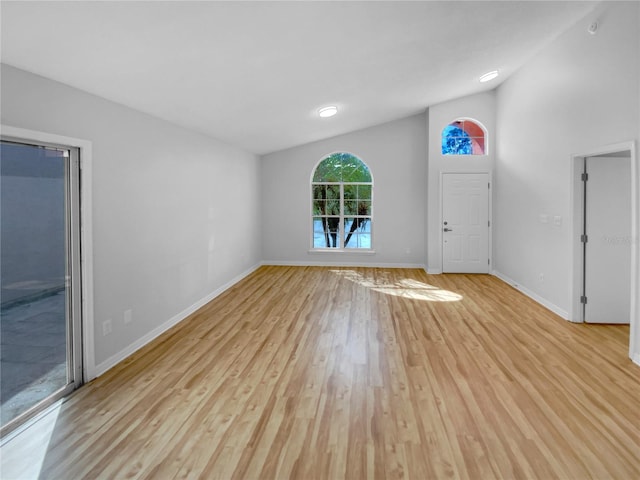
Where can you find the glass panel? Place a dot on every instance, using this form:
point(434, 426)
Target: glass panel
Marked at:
point(463, 138)
point(354, 170)
point(333, 192)
point(357, 224)
point(364, 207)
point(357, 231)
point(326, 232)
point(33, 313)
point(350, 192)
point(455, 141)
point(473, 129)
point(364, 192)
point(342, 167)
point(360, 240)
point(319, 191)
point(319, 240)
point(326, 200)
point(333, 207)
point(329, 170)
point(319, 207)
point(351, 207)
point(477, 145)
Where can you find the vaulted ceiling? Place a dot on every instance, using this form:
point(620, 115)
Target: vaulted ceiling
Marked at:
point(253, 74)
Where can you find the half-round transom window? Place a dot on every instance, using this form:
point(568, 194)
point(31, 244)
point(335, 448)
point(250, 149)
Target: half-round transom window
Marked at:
point(342, 196)
point(463, 137)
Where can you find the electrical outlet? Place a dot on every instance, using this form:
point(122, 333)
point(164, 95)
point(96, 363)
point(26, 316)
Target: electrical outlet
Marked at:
point(106, 327)
point(128, 316)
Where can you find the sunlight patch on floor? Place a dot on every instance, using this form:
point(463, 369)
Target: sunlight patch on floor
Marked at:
point(406, 288)
point(34, 439)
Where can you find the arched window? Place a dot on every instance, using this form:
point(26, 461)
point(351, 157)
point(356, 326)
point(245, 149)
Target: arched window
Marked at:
point(341, 194)
point(464, 137)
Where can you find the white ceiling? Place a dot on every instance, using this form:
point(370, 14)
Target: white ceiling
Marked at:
point(253, 74)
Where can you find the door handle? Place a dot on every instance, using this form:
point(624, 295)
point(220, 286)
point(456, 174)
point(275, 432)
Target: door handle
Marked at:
point(445, 229)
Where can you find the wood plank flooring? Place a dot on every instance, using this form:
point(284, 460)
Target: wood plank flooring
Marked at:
point(350, 373)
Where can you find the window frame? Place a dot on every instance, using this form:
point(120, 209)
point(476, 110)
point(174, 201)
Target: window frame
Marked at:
point(342, 216)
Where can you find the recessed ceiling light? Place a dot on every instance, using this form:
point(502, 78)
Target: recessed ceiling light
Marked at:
point(488, 76)
point(328, 111)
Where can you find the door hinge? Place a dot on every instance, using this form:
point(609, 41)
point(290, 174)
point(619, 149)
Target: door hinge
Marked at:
point(583, 299)
point(584, 238)
point(488, 261)
point(584, 177)
point(488, 223)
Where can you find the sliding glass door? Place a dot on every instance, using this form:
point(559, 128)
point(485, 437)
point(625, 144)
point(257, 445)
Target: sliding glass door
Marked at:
point(40, 278)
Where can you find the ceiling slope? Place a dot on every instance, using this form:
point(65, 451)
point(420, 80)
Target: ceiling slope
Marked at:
point(253, 74)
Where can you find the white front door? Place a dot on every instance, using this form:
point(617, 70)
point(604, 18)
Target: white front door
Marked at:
point(465, 223)
point(607, 261)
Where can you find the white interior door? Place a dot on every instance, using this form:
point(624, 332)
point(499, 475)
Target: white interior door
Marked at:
point(465, 223)
point(607, 265)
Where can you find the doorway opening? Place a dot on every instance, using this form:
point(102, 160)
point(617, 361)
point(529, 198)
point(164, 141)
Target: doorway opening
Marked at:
point(604, 237)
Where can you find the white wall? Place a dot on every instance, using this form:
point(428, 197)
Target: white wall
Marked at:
point(395, 153)
point(480, 107)
point(175, 213)
point(578, 94)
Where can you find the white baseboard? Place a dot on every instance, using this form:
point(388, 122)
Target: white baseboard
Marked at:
point(434, 271)
point(342, 264)
point(141, 342)
point(636, 359)
point(534, 296)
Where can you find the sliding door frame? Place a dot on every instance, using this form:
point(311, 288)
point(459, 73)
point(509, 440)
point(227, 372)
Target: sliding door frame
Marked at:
point(82, 238)
point(74, 271)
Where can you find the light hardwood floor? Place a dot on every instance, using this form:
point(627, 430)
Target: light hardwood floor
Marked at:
point(349, 373)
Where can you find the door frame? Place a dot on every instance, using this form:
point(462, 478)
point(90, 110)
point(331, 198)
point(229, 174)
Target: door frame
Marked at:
point(86, 232)
point(576, 312)
point(490, 213)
